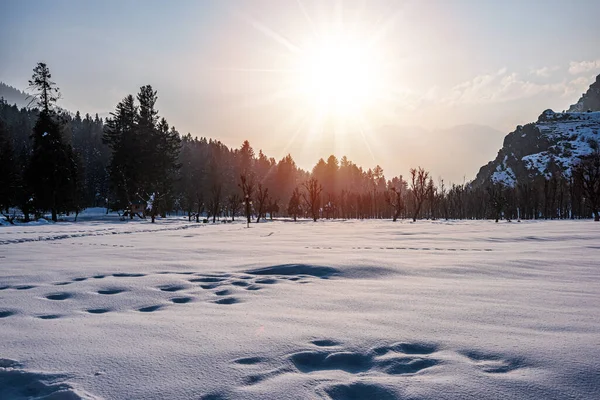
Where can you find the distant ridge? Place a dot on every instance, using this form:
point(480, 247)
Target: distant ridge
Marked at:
point(13, 95)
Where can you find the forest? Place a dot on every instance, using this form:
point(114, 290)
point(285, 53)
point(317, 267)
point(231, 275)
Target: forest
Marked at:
point(136, 163)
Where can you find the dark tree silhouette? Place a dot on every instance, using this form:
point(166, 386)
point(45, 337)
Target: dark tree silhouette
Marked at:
point(262, 198)
point(587, 175)
point(45, 93)
point(52, 169)
point(496, 192)
point(312, 197)
point(294, 207)
point(247, 186)
point(214, 204)
point(234, 201)
point(395, 199)
point(419, 188)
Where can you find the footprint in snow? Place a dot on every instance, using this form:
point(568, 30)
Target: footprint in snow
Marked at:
point(59, 296)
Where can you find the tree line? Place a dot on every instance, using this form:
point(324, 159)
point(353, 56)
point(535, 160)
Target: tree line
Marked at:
point(136, 163)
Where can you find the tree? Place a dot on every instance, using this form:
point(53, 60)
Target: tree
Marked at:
point(294, 207)
point(52, 170)
point(233, 204)
point(395, 198)
point(312, 197)
point(8, 171)
point(587, 176)
point(247, 186)
point(419, 188)
point(126, 160)
point(262, 197)
point(496, 192)
point(45, 92)
point(272, 207)
point(214, 204)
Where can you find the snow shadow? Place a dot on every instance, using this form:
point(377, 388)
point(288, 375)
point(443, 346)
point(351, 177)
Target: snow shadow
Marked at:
point(17, 383)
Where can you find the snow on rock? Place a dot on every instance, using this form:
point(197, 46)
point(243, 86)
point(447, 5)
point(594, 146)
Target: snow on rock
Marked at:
point(504, 174)
point(334, 310)
point(555, 143)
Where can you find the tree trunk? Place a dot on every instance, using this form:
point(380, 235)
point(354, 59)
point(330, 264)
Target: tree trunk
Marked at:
point(417, 211)
point(54, 216)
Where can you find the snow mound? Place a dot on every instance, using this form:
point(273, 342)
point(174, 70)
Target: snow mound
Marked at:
point(17, 383)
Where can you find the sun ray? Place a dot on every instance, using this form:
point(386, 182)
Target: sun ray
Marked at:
point(309, 20)
point(259, 26)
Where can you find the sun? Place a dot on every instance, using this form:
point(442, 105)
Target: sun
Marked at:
point(338, 75)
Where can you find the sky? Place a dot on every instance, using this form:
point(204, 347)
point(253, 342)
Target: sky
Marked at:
point(388, 82)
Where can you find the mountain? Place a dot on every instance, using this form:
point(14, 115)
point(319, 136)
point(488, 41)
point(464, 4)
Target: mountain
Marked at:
point(590, 100)
point(553, 143)
point(14, 96)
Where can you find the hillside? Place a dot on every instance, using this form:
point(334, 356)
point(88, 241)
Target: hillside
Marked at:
point(13, 95)
point(553, 143)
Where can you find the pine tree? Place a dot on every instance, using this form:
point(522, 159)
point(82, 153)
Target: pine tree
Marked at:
point(8, 171)
point(125, 164)
point(52, 168)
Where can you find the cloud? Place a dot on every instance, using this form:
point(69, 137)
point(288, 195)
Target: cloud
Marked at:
point(580, 67)
point(503, 86)
point(544, 72)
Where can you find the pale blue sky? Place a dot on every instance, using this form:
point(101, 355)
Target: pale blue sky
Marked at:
point(495, 63)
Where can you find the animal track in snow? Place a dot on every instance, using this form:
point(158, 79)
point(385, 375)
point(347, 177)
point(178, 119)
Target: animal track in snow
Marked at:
point(150, 308)
point(171, 288)
point(492, 363)
point(181, 300)
point(397, 359)
point(24, 287)
point(98, 310)
point(109, 291)
point(59, 296)
point(127, 275)
point(49, 316)
point(6, 313)
point(418, 249)
point(227, 300)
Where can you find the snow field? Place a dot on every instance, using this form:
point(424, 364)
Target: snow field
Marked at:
point(336, 310)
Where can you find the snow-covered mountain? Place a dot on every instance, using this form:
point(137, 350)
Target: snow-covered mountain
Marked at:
point(553, 143)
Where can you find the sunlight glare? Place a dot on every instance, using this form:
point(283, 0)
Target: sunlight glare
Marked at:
point(338, 76)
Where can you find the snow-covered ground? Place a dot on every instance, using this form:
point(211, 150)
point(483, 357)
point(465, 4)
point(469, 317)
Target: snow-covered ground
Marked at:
point(341, 310)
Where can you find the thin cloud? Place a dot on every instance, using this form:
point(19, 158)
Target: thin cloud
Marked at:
point(576, 68)
point(544, 72)
point(503, 86)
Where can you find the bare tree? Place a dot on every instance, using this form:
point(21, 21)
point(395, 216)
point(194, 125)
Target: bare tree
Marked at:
point(233, 204)
point(419, 188)
point(247, 186)
point(587, 176)
point(294, 207)
point(312, 196)
point(214, 205)
point(199, 204)
point(395, 198)
point(262, 198)
point(272, 207)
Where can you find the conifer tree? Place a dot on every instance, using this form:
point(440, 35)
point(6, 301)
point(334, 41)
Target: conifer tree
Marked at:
point(52, 169)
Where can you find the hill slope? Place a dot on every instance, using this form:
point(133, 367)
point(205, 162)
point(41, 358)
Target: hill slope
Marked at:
point(13, 95)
